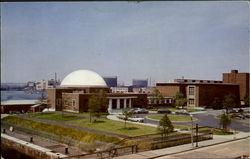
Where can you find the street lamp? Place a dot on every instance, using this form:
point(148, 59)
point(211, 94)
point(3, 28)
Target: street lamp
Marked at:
point(192, 139)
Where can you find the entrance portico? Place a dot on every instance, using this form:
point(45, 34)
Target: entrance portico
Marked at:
point(120, 102)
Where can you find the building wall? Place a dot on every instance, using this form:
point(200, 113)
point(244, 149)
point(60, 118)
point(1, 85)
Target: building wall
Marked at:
point(168, 90)
point(238, 78)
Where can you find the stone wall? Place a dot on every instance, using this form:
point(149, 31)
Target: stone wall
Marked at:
point(28, 149)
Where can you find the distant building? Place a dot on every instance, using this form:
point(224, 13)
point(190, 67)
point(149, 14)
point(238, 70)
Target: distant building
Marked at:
point(14, 106)
point(138, 83)
point(147, 90)
point(45, 84)
point(195, 81)
point(121, 89)
point(111, 81)
point(238, 78)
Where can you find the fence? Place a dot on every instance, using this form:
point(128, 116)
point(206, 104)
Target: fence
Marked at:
point(119, 151)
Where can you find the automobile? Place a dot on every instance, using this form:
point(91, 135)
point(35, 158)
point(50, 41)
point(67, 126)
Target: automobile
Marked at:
point(136, 119)
point(141, 111)
point(182, 111)
point(231, 111)
point(238, 116)
point(164, 111)
point(247, 115)
point(138, 111)
point(240, 111)
point(199, 108)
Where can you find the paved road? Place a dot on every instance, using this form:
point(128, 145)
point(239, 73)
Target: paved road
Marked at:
point(206, 119)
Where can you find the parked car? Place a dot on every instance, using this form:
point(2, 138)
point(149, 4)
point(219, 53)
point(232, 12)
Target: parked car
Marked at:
point(164, 111)
point(238, 116)
point(182, 111)
point(136, 119)
point(247, 115)
point(138, 111)
point(231, 111)
point(240, 111)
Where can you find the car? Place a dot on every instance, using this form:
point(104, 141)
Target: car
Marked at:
point(182, 111)
point(231, 111)
point(136, 119)
point(240, 111)
point(164, 111)
point(141, 111)
point(247, 115)
point(238, 116)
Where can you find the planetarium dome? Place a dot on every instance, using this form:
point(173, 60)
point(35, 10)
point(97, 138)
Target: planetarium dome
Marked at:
point(83, 78)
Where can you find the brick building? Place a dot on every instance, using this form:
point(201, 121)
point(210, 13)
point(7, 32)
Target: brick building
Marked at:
point(199, 94)
point(238, 78)
point(76, 89)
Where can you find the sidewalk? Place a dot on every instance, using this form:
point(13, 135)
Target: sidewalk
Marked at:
point(218, 139)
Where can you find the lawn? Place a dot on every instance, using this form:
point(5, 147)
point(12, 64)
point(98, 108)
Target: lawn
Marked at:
point(172, 109)
point(247, 124)
point(84, 136)
point(55, 116)
point(172, 117)
point(116, 127)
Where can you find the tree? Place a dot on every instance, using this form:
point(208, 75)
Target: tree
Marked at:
point(229, 102)
point(165, 126)
point(126, 114)
point(156, 96)
point(246, 100)
point(179, 99)
point(225, 121)
point(217, 103)
point(97, 103)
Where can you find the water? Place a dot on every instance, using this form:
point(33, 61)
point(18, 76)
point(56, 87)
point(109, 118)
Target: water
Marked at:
point(8, 153)
point(19, 95)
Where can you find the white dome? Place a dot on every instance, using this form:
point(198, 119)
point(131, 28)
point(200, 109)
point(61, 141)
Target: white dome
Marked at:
point(83, 78)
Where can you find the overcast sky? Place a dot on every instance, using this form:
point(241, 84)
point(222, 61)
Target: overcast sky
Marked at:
point(161, 40)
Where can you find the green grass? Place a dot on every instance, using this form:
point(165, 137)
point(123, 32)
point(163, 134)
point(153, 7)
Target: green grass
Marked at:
point(247, 124)
point(182, 127)
point(173, 109)
point(172, 117)
point(53, 116)
point(116, 127)
point(84, 136)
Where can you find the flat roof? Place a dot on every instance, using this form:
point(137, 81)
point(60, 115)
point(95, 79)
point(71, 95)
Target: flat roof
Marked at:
point(19, 102)
point(230, 84)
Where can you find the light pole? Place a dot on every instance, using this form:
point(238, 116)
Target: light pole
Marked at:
point(192, 139)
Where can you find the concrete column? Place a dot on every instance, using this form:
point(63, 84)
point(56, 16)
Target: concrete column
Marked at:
point(110, 104)
point(118, 103)
point(125, 103)
point(129, 103)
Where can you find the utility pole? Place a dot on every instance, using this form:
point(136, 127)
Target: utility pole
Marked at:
point(196, 135)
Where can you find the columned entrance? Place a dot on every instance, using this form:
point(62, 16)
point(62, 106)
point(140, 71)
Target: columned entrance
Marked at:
point(120, 102)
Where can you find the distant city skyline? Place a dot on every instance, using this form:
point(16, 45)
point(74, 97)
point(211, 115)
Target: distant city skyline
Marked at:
point(158, 40)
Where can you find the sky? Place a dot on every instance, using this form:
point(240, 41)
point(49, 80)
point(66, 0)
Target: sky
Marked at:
point(157, 40)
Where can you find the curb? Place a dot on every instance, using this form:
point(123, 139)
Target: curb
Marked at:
point(199, 147)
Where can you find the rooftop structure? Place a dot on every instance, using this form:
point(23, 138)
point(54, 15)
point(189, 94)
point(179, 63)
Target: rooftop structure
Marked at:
point(83, 78)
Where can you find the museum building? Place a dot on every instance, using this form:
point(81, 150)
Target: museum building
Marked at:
point(76, 88)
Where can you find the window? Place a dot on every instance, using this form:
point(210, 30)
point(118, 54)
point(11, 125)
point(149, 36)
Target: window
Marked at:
point(73, 102)
point(191, 101)
point(191, 90)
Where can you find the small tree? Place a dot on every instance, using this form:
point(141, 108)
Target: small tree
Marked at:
point(156, 96)
point(225, 121)
point(126, 114)
point(229, 102)
point(165, 125)
point(179, 99)
point(246, 100)
point(97, 103)
point(217, 104)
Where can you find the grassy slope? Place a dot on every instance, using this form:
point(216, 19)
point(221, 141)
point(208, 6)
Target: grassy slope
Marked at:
point(116, 127)
point(55, 116)
point(80, 135)
point(172, 117)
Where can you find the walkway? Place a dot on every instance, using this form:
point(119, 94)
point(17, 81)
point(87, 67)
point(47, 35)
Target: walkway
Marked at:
point(222, 142)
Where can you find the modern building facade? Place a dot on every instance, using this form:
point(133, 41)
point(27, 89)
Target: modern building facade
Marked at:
point(76, 89)
point(111, 81)
point(238, 78)
point(139, 83)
